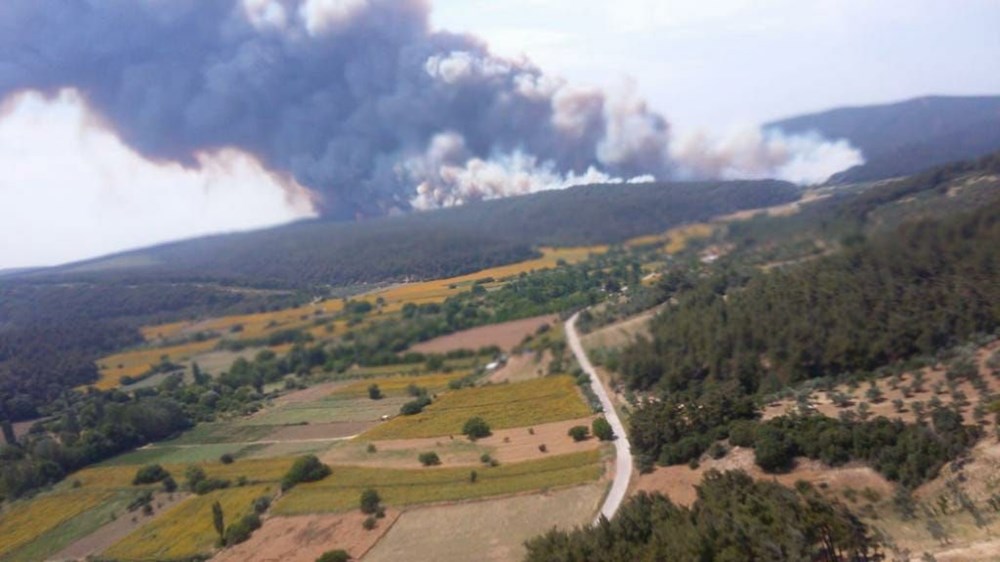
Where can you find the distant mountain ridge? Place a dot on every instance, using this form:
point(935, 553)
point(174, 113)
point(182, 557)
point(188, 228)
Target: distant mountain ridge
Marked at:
point(903, 138)
point(430, 244)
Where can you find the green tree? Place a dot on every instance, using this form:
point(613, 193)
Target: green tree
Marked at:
point(374, 392)
point(338, 555)
point(304, 469)
point(150, 474)
point(218, 521)
point(579, 432)
point(476, 428)
point(429, 459)
point(370, 501)
point(601, 427)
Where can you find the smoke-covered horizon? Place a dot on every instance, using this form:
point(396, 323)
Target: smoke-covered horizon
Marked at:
point(360, 101)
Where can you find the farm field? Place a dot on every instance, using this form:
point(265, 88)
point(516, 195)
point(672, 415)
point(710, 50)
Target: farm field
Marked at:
point(136, 362)
point(261, 324)
point(522, 404)
point(505, 336)
point(492, 530)
point(505, 445)
point(100, 528)
point(25, 522)
point(187, 530)
point(340, 491)
point(675, 240)
point(397, 386)
point(304, 538)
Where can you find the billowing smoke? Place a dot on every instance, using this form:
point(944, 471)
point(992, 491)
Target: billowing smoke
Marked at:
point(359, 100)
point(751, 153)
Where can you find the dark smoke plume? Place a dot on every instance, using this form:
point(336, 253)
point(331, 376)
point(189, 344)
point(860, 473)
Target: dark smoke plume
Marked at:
point(358, 99)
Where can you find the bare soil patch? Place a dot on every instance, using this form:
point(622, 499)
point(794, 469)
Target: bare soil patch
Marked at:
point(102, 539)
point(305, 538)
point(331, 430)
point(492, 531)
point(505, 336)
point(521, 367)
point(678, 482)
point(621, 333)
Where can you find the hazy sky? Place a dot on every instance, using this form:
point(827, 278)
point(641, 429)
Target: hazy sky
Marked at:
point(716, 63)
point(69, 189)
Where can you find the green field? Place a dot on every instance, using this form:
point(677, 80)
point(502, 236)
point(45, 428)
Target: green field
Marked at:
point(179, 455)
point(503, 406)
point(330, 409)
point(341, 490)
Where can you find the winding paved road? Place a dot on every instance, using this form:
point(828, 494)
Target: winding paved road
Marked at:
point(623, 450)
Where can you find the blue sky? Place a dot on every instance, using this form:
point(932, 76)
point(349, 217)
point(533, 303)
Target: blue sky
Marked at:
point(720, 63)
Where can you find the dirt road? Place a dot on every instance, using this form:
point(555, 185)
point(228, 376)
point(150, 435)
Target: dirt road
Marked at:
point(623, 452)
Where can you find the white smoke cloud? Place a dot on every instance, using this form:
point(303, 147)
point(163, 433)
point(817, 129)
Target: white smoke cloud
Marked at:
point(452, 178)
point(70, 189)
point(458, 66)
point(321, 16)
point(750, 153)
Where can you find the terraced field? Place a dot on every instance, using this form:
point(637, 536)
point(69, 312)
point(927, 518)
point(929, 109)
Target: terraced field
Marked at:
point(23, 523)
point(340, 491)
point(503, 406)
point(187, 530)
point(397, 386)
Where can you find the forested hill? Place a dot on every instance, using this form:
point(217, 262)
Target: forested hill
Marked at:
point(432, 244)
point(925, 286)
point(899, 139)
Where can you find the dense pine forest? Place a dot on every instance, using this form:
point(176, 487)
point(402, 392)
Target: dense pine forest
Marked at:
point(925, 286)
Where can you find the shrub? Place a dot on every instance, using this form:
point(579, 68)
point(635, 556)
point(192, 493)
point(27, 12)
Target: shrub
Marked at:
point(543, 448)
point(241, 530)
point(169, 485)
point(370, 501)
point(306, 469)
point(602, 429)
point(150, 474)
point(370, 523)
point(429, 459)
point(473, 476)
point(579, 432)
point(338, 555)
point(374, 392)
point(261, 504)
point(226, 459)
point(476, 428)
point(414, 407)
point(207, 485)
point(371, 448)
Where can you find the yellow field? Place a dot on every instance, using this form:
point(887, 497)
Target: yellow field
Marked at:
point(396, 386)
point(440, 289)
point(26, 521)
point(502, 406)
point(118, 477)
point(259, 325)
point(254, 325)
point(136, 362)
point(676, 239)
point(341, 490)
point(187, 529)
